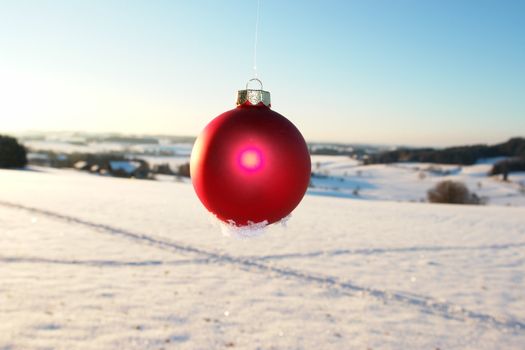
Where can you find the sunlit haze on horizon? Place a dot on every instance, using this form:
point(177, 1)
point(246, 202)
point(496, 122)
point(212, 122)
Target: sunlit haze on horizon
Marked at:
point(407, 72)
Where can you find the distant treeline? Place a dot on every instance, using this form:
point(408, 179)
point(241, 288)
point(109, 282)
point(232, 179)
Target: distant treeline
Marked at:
point(153, 139)
point(126, 139)
point(328, 151)
point(465, 155)
point(85, 138)
point(350, 150)
point(12, 154)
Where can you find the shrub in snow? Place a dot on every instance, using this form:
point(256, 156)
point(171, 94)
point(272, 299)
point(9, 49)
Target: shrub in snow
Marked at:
point(452, 192)
point(12, 154)
point(507, 166)
point(163, 168)
point(184, 170)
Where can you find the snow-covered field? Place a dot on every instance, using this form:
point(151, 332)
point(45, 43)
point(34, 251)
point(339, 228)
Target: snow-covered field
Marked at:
point(90, 262)
point(409, 182)
point(338, 176)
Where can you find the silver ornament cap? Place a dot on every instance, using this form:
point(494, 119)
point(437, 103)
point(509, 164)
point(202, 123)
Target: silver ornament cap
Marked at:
point(254, 96)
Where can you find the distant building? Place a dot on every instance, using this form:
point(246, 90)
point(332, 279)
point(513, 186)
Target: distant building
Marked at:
point(95, 168)
point(81, 165)
point(40, 159)
point(129, 168)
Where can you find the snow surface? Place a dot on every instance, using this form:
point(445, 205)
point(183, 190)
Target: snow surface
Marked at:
point(409, 182)
point(92, 262)
point(341, 176)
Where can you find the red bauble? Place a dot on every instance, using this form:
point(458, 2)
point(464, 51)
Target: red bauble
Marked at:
point(250, 165)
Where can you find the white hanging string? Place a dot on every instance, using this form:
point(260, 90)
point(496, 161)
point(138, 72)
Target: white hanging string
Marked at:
point(256, 39)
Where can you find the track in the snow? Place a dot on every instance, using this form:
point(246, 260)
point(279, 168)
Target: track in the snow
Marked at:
point(373, 251)
point(424, 303)
point(98, 263)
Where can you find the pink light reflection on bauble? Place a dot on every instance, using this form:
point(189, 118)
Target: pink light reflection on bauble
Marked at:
point(250, 159)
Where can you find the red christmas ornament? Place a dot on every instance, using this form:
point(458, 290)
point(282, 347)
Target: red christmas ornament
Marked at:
point(250, 164)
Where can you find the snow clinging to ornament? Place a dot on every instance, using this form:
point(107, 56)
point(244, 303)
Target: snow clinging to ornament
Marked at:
point(250, 165)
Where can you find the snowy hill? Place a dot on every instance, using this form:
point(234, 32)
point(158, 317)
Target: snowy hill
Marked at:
point(409, 182)
point(94, 262)
point(337, 176)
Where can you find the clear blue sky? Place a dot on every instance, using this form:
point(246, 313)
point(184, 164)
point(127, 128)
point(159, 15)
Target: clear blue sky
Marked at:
point(390, 72)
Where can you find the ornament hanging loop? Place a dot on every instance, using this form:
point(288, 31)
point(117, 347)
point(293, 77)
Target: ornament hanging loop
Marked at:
point(257, 80)
point(253, 96)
